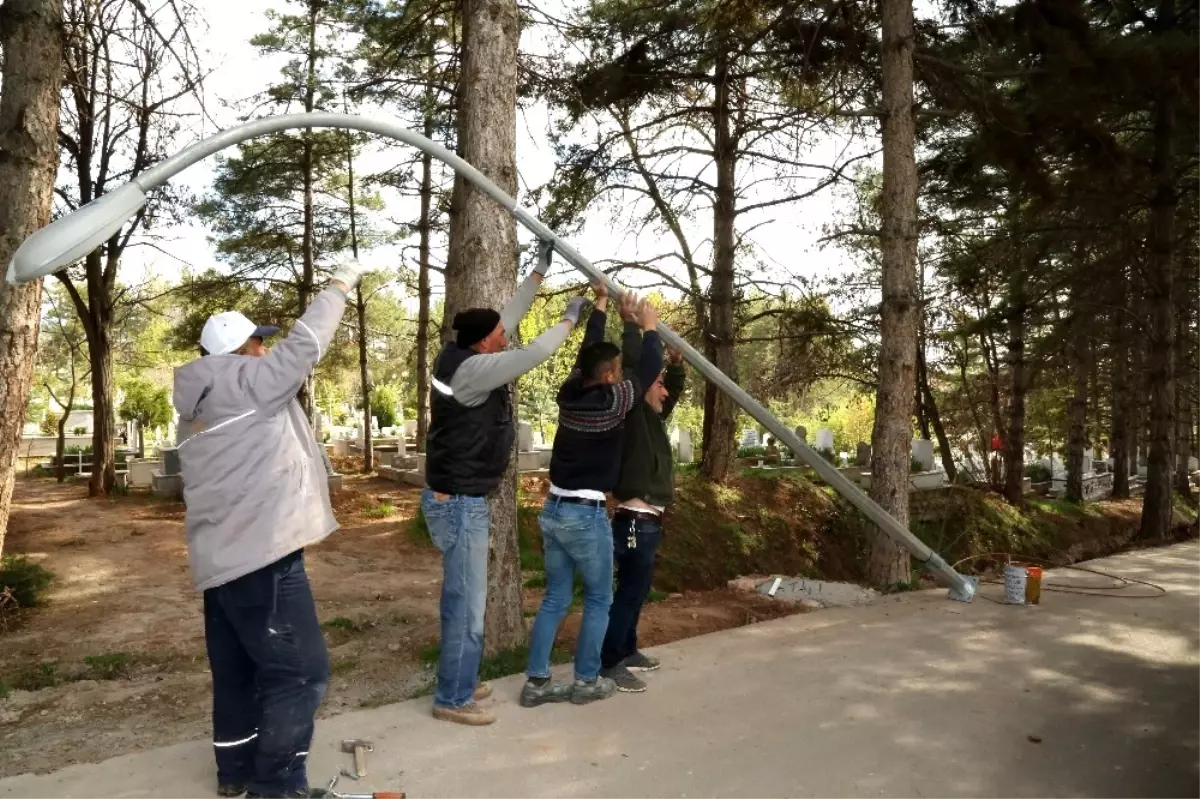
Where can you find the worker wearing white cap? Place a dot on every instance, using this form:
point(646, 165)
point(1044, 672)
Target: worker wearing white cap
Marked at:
point(257, 495)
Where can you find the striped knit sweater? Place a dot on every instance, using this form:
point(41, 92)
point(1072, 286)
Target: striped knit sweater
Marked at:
point(591, 419)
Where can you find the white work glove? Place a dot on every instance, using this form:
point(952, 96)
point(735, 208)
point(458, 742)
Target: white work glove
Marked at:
point(575, 310)
point(349, 272)
point(545, 254)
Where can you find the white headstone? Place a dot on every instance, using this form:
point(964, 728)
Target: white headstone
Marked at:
point(824, 441)
point(1087, 462)
point(749, 437)
point(539, 440)
point(1193, 464)
point(524, 437)
point(410, 428)
point(922, 452)
point(374, 422)
point(685, 446)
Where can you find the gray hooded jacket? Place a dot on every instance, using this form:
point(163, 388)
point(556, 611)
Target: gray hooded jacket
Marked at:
point(254, 479)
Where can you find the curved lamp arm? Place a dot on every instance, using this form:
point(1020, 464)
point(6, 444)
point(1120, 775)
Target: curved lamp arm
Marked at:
point(70, 237)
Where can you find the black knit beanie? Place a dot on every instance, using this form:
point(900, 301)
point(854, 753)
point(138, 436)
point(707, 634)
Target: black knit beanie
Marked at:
point(474, 325)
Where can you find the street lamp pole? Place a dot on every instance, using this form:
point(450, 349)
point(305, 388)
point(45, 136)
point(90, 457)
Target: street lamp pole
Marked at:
point(71, 237)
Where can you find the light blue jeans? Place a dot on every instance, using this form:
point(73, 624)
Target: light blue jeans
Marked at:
point(574, 537)
point(458, 525)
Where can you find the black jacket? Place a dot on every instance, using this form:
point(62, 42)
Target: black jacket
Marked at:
point(647, 463)
point(467, 448)
point(587, 446)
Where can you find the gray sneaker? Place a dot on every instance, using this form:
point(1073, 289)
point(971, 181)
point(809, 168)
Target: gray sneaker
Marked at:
point(640, 661)
point(600, 688)
point(626, 680)
point(533, 695)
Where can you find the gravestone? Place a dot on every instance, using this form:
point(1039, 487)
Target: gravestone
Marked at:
point(862, 454)
point(1087, 462)
point(802, 434)
point(749, 437)
point(170, 457)
point(1193, 464)
point(410, 428)
point(524, 437)
point(824, 441)
point(922, 452)
point(685, 446)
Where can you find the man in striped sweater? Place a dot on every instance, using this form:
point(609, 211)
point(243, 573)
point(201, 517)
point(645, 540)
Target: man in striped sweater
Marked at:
point(576, 534)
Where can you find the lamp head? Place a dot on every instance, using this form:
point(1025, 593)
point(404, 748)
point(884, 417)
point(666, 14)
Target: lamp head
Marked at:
point(69, 238)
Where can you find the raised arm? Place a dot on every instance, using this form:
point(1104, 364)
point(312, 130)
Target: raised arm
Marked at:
point(650, 363)
point(273, 380)
point(631, 334)
point(481, 374)
point(673, 381)
point(596, 323)
point(516, 308)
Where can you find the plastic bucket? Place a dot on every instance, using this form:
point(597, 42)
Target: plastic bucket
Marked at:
point(1033, 585)
point(1015, 580)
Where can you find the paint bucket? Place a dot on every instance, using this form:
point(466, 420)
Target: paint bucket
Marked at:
point(1014, 585)
point(1033, 585)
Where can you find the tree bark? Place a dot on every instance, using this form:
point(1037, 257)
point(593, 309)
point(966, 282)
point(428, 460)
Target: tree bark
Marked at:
point(360, 308)
point(308, 275)
point(1077, 405)
point(32, 74)
point(1160, 275)
point(720, 412)
point(888, 563)
point(1120, 441)
point(482, 265)
point(1014, 443)
point(424, 230)
point(929, 408)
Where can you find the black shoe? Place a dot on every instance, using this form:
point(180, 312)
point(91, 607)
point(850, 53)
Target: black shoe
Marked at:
point(627, 682)
point(231, 789)
point(640, 661)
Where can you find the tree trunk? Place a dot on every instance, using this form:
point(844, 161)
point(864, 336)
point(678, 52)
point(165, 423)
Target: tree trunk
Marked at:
point(308, 275)
point(29, 93)
point(1183, 413)
point(720, 411)
point(481, 270)
point(930, 411)
point(1160, 275)
point(360, 307)
point(891, 453)
point(1014, 443)
point(1077, 405)
point(424, 228)
point(104, 469)
point(60, 446)
point(1120, 441)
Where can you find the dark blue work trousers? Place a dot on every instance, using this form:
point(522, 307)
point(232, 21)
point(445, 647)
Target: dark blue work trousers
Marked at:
point(270, 669)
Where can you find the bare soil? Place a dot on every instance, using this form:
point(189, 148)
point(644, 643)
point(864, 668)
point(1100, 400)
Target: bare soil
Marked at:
point(123, 600)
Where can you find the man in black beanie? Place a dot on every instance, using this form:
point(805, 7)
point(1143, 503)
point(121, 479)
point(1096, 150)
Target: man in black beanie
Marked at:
point(468, 447)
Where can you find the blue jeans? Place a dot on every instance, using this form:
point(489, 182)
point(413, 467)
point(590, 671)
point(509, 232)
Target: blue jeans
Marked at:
point(574, 537)
point(458, 525)
point(269, 673)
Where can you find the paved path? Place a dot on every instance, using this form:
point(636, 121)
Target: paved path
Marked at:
point(913, 696)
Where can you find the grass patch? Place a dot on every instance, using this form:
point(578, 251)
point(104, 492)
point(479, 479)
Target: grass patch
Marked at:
point(536, 581)
point(493, 667)
point(340, 623)
point(380, 511)
point(109, 666)
point(4, 690)
point(343, 665)
point(36, 678)
point(417, 530)
point(529, 539)
point(656, 596)
point(25, 580)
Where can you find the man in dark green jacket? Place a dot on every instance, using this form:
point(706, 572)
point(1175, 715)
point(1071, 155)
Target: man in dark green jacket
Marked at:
point(644, 490)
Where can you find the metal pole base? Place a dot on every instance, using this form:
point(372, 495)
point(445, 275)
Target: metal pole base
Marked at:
point(966, 593)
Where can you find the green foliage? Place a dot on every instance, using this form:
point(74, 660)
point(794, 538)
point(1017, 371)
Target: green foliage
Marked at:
point(380, 511)
point(751, 452)
point(147, 404)
point(383, 404)
point(27, 580)
point(1038, 473)
point(495, 666)
point(109, 666)
point(49, 425)
point(37, 677)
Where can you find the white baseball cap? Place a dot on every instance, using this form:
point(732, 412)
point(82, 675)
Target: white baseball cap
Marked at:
point(225, 332)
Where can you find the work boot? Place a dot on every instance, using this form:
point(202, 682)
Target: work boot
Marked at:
point(626, 680)
point(482, 691)
point(600, 688)
point(470, 714)
point(231, 789)
point(639, 661)
point(535, 693)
